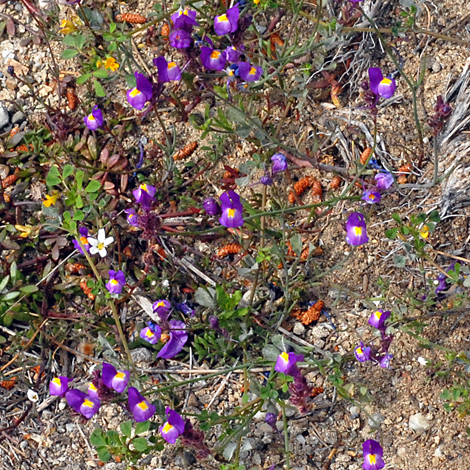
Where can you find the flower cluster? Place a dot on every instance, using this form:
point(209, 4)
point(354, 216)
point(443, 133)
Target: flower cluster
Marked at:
point(88, 404)
point(382, 356)
point(299, 389)
point(178, 335)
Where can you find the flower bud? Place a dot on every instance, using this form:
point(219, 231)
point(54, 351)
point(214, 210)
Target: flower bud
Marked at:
point(211, 206)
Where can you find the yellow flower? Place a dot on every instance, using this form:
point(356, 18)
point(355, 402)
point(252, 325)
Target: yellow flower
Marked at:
point(99, 64)
point(111, 64)
point(50, 200)
point(256, 2)
point(424, 232)
point(67, 27)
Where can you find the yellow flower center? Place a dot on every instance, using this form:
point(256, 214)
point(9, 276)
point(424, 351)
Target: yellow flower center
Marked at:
point(91, 117)
point(113, 282)
point(231, 213)
point(359, 350)
point(167, 427)
point(185, 12)
point(92, 388)
point(56, 380)
point(149, 333)
point(120, 375)
point(161, 304)
point(223, 18)
point(100, 246)
point(215, 55)
point(371, 196)
point(372, 459)
point(252, 71)
point(357, 231)
point(386, 81)
point(84, 241)
point(378, 315)
point(143, 187)
point(88, 404)
point(134, 93)
point(285, 356)
point(143, 406)
point(171, 65)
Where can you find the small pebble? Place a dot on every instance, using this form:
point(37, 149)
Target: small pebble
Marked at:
point(418, 422)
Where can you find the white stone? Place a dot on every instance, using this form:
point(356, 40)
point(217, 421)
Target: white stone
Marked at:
point(418, 422)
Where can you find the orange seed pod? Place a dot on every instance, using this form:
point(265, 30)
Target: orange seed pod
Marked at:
point(365, 155)
point(185, 152)
point(231, 248)
point(132, 18)
point(335, 182)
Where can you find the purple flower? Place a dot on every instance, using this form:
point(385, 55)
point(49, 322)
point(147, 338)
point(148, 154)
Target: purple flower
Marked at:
point(173, 427)
point(141, 408)
point(132, 217)
point(385, 361)
point(82, 403)
point(151, 333)
point(371, 197)
point(441, 283)
point(116, 282)
point(180, 38)
point(385, 87)
point(362, 354)
point(94, 119)
point(144, 195)
point(378, 318)
point(211, 59)
point(271, 419)
point(248, 72)
point(83, 232)
point(59, 385)
point(287, 363)
point(233, 53)
point(186, 309)
point(228, 22)
point(266, 180)
point(138, 96)
point(92, 390)
point(279, 163)
point(162, 308)
point(115, 379)
point(356, 230)
point(232, 210)
point(184, 19)
point(178, 338)
point(383, 180)
point(167, 71)
point(211, 206)
point(373, 454)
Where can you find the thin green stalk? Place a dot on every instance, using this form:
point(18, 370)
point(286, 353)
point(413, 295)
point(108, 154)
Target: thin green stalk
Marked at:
point(286, 438)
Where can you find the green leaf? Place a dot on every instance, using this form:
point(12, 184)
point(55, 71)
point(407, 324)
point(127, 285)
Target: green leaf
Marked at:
point(69, 54)
point(140, 443)
point(93, 186)
point(99, 90)
point(79, 179)
point(399, 261)
point(67, 216)
point(79, 215)
point(8, 319)
point(396, 217)
point(13, 271)
point(392, 233)
point(445, 395)
point(405, 230)
point(112, 47)
point(126, 429)
point(80, 41)
point(4, 282)
point(296, 243)
point(68, 170)
point(11, 296)
point(112, 27)
point(142, 427)
point(29, 289)
point(434, 217)
point(83, 78)
point(97, 438)
point(104, 455)
point(53, 177)
point(101, 73)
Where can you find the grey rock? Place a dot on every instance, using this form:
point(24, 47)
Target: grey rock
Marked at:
point(18, 7)
point(355, 412)
point(299, 329)
point(375, 420)
point(17, 117)
point(70, 427)
point(436, 67)
point(4, 117)
point(141, 355)
point(418, 422)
